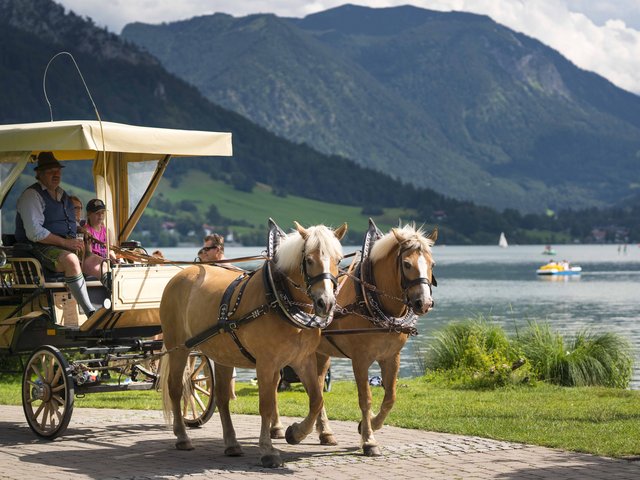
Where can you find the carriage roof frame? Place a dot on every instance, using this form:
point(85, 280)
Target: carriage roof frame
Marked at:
point(112, 147)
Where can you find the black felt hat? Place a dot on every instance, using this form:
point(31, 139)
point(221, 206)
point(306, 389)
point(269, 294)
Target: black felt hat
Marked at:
point(46, 160)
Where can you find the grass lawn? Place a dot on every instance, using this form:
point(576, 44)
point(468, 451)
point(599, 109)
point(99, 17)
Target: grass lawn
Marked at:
point(256, 207)
point(601, 421)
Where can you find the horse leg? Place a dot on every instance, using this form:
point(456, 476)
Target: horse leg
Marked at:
point(277, 429)
point(369, 444)
point(389, 369)
point(175, 387)
point(322, 423)
point(267, 390)
point(307, 372)
point(222, 385)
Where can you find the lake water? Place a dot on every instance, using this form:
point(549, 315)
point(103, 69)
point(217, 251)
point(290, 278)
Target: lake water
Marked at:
point(501, 284)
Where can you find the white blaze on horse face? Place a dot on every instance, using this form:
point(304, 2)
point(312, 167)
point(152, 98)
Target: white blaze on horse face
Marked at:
point(322, 292)
point(425, 291)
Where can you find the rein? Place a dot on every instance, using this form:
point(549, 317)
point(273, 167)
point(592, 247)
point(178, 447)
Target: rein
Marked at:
point(134, 256)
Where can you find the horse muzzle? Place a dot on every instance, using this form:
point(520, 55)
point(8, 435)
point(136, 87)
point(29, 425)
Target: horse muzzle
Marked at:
point(324, 305)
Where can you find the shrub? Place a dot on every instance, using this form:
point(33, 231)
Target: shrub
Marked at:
point(478, 354)
point(587, 360)
point(475, 352)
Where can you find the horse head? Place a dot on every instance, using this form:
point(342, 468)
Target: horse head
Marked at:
point(413, 264)
point(311, 256)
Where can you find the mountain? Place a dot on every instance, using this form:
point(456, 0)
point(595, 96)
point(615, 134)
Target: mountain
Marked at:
point(130, 86)
point(451, 101)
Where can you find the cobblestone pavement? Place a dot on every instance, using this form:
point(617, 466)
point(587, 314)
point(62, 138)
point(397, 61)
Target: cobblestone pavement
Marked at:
point(126, 444)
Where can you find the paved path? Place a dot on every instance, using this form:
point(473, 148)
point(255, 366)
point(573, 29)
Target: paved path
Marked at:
point(125, 444)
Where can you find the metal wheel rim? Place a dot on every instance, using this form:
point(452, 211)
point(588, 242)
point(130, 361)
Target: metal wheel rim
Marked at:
point(199, 406)
point(47, 393)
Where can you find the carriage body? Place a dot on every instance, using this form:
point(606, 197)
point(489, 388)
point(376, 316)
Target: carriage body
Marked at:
point(39, 317)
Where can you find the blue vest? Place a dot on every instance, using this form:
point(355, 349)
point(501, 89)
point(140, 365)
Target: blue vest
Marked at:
point(59, 217)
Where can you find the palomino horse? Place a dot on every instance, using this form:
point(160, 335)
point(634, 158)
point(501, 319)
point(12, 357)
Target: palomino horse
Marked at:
point(392, 284)
point(253, 321)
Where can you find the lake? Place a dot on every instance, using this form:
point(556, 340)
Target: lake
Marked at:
point(501, 284)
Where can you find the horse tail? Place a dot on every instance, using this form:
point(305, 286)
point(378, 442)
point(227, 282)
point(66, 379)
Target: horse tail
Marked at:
point(164, 386)
point(187, 386)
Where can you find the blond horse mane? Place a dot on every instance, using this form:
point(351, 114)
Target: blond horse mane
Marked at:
point(410, 237)
point(289, 254)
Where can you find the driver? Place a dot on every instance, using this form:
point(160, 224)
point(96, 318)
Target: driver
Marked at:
point(46, 220)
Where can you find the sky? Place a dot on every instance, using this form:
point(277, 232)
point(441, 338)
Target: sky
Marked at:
point(601, 36)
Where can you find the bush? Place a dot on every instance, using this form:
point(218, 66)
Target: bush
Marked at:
point(478, 354)
point(587, 360)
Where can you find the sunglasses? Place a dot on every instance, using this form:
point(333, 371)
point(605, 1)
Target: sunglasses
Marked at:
point(206, 249)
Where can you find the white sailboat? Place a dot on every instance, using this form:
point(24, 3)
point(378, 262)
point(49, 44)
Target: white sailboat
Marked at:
point(502, 243)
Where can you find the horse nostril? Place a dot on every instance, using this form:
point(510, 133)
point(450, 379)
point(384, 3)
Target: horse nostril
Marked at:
point(419, 305)
point(321, 304)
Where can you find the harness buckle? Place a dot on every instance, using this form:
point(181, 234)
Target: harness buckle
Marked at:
point(232, 325)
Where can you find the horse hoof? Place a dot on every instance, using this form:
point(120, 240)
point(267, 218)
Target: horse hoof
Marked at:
point(235, 451)
point(184, 445)
point(371, 451)
point(271, 461)
point(277, 433)
point(290, 437)
point(327, 439)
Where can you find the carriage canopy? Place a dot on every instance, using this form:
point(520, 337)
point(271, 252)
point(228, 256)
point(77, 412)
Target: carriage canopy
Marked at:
point(128, 161)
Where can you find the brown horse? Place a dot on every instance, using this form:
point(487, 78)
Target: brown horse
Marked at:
point(253, 321)
point(393, 282)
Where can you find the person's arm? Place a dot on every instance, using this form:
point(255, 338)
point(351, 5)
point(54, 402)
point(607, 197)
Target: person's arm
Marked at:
point(30, 206)
point(73, 244)
point(31, 209)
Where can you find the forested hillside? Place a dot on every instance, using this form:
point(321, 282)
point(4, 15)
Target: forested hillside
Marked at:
point(451, 101)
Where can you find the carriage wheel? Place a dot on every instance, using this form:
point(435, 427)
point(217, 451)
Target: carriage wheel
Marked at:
point(199, 407)
point(47, 392)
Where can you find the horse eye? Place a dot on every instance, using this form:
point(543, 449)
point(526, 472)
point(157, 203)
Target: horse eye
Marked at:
point(406, 264)
point(309, 261)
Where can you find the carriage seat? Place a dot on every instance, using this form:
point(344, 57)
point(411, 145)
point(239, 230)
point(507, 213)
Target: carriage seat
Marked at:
point(27, 272)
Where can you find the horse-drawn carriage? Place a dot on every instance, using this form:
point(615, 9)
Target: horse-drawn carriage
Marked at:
point(67, 353)
point(294, 293)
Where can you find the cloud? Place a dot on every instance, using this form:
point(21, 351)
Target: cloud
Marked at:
point(596, 36)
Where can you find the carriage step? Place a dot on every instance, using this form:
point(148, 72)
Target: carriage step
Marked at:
point(105, 350)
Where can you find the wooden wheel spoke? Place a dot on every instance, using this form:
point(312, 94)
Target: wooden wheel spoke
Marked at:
point(197, 399)
point(36, 371)
point(192, 404)
point(56, 377)
point(198, 370)
point(58, 388)
point(44, 416)
point(37, 412)
point(198, 388)
point(49, 366)
point(201, 379)
point(58, 399)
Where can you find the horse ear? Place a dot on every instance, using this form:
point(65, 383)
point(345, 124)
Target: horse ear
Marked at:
point(433, 236)
point(301, 230)
point(397, 235)
point(341, 231)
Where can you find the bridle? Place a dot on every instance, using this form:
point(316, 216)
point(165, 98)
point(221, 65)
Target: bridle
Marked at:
point(311, 281)
point(406, 284)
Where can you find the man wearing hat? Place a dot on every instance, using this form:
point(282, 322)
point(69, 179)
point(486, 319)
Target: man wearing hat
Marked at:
point(46, 219)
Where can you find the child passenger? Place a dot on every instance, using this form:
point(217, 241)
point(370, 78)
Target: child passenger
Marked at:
point(96, 239)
